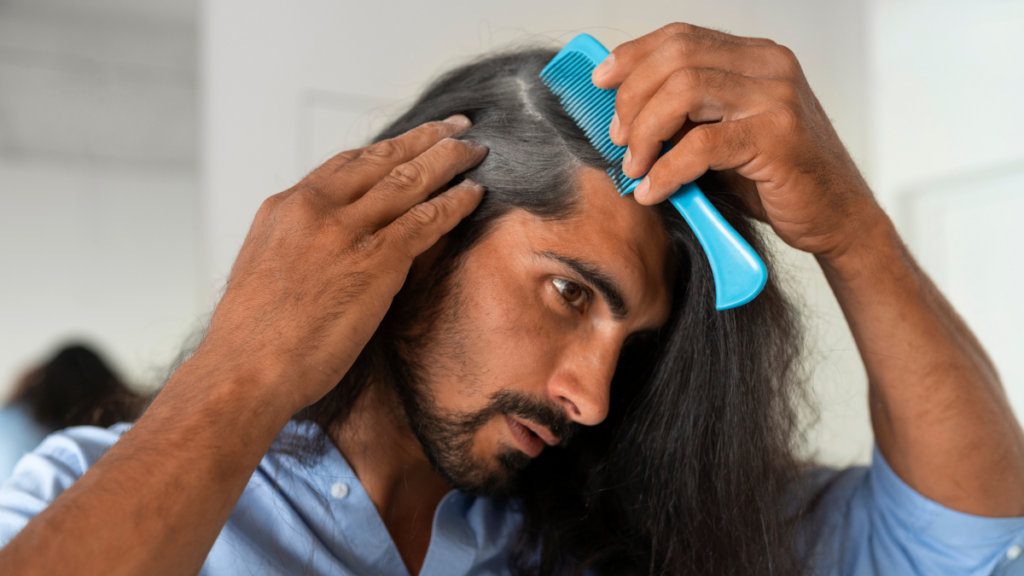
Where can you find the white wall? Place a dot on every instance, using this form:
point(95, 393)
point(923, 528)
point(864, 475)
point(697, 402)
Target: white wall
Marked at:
point(99, 202)
point(946, 90)
point(947, 138)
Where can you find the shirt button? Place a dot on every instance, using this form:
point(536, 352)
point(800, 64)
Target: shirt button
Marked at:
point(1013, 552)
point(339, 490)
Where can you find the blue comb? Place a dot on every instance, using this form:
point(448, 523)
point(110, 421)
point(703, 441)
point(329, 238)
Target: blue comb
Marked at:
point(738, 271)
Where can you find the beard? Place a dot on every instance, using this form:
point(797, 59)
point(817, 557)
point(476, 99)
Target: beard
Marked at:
point(447, 440)
point(429, 345)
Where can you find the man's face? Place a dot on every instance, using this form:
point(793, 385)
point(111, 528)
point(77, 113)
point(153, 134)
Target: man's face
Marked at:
point(524, 346)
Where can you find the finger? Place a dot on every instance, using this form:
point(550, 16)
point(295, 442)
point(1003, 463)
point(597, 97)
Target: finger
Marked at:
point(331, 166)
point(719, 146)
point(424, 224)
point(316, 177)
point(698, 95)
point(677, 53)
point(410, 183)
point(355, 177)
point(715, 182)
point(627, 56)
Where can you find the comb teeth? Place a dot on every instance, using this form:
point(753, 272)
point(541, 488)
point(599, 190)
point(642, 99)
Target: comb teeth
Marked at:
point(590, 107)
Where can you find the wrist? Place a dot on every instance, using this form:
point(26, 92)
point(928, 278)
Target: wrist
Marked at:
point(226, 384)
point(873, 237)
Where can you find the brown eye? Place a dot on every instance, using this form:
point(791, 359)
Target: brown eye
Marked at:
point(572, 292)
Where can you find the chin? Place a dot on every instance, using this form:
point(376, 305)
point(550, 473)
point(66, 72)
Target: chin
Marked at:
point(496, 480)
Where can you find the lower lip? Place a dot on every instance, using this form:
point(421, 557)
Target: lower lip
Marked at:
point(525, 439)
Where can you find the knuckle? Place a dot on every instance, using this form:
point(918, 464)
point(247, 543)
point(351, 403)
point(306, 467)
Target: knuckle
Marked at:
point(304, 203)
point(385, 150)
point(703, 138)
point(690, 79)
point(269, 205)
point(786, 91)
point(676, 28)
point(626, 102)
point(426, 213)
point(784, 52)
point(784, 59)
point(365, 240)
point(411, 174)
point(786, 118)
point(679, 46)
point(298, 211)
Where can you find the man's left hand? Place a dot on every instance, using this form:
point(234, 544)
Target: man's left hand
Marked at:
point(742, 106)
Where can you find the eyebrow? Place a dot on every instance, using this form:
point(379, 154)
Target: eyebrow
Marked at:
point(600, 280)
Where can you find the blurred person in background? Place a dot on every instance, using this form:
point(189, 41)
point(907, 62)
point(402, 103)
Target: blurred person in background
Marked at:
point(75, 387)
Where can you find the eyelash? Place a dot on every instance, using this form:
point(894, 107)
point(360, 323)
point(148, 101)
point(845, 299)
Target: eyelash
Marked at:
point(584, 298)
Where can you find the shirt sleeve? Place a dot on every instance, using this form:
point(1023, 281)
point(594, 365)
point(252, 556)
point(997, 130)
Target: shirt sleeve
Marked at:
point(45, 473)
point(868, 521)
point(19, 435)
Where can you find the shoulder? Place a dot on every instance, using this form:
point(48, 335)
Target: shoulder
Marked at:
point(46, 472)
point(863, 520)
point(65, 455)
point(20, 433)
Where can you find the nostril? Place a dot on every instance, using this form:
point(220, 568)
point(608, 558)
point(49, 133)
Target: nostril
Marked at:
point(571, 406)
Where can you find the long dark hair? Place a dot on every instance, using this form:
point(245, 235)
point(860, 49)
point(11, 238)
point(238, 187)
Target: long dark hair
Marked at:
point(693, 471)
point(76, 387)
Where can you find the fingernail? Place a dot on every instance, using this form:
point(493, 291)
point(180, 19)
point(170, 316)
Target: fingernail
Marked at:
point(478, 150)
point(467, 183)
point(626, 158)
point(459, 120)
point(604, 67)
point(640, 192)
point(613, 128)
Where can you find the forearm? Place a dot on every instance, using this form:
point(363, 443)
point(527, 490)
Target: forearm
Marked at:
point(157, 501)
point(939, 412)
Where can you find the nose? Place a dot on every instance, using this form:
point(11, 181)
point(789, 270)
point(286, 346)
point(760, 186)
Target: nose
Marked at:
point(583, 378)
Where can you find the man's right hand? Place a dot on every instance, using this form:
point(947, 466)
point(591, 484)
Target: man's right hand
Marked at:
point(324, 259)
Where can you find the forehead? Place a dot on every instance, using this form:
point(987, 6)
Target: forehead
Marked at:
point(613, 232)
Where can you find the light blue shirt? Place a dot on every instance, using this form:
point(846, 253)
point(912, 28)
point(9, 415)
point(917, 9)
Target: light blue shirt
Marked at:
point(315, 518)
point(19, 435)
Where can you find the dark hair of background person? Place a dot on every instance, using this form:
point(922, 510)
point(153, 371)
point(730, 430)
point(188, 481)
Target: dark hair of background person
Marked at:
point(77, 388)
point(693, 471)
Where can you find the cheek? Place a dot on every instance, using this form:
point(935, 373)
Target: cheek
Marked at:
point(515, 339)
point(505, 345)
point(510, 350)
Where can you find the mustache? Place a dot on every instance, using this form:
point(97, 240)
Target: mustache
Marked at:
point(526, 407)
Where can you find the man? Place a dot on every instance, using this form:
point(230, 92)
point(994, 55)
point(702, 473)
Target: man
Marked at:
point(561, 296)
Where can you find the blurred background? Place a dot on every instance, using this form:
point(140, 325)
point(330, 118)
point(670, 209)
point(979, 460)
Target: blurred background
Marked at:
point(138, 138)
